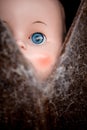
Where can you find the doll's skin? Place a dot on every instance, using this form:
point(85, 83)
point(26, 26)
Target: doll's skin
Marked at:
point(26, 19)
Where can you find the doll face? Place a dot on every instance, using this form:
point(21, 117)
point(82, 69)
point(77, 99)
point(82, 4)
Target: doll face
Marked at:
point(37, 26)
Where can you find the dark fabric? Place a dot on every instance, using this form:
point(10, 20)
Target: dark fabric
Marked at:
point(60, 102)
point(71, 7)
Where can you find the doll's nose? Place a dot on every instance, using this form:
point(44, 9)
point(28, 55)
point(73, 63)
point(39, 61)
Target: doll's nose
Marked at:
point(21, 44)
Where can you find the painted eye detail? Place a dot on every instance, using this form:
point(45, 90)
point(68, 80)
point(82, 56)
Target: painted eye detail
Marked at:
point(38, 38)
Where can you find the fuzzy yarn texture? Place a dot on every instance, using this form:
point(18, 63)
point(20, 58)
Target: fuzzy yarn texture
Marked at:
point(60, 102)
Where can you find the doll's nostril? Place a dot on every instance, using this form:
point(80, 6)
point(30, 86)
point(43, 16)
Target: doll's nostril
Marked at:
point(21, 44)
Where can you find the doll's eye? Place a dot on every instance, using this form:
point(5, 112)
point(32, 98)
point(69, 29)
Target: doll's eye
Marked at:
point(38, 38)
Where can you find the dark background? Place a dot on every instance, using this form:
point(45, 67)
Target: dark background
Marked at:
point(70, 7)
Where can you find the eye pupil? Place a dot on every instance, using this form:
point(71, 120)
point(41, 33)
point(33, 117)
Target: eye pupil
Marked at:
point(37, 38)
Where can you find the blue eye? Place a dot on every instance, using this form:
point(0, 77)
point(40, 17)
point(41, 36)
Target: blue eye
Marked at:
point(38, 38)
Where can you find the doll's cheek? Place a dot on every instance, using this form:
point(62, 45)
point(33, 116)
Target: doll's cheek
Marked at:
point(44, 62)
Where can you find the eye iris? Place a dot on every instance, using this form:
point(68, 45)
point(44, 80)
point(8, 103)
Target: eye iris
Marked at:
point(37, 38)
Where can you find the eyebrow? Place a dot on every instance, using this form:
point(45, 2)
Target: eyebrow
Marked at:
point(39, 22)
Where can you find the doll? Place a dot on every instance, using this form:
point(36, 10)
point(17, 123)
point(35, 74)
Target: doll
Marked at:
point(58, 104)
point(37, 27)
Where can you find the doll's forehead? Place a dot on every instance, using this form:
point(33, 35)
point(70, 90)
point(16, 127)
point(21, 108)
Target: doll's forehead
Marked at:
point(17, 2)
point(33, 7)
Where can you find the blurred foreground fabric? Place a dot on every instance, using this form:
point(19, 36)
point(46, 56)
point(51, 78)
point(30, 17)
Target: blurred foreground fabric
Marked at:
point(60, 102)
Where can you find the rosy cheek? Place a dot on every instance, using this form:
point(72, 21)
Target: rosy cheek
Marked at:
point(44, 62)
